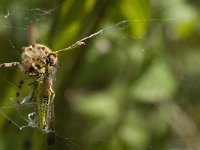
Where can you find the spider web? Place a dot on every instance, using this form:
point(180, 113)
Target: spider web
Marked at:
point(22, 117)
point(25, 112)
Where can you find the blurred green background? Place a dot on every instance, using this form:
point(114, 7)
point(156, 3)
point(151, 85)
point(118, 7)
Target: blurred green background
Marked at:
point(135, 86)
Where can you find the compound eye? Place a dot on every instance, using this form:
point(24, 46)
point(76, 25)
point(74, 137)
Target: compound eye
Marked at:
point(52, 59)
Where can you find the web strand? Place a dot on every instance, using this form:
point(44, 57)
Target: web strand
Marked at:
point(121, 24)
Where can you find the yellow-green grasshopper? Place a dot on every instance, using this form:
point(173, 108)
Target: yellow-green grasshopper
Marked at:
point(43, 96)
